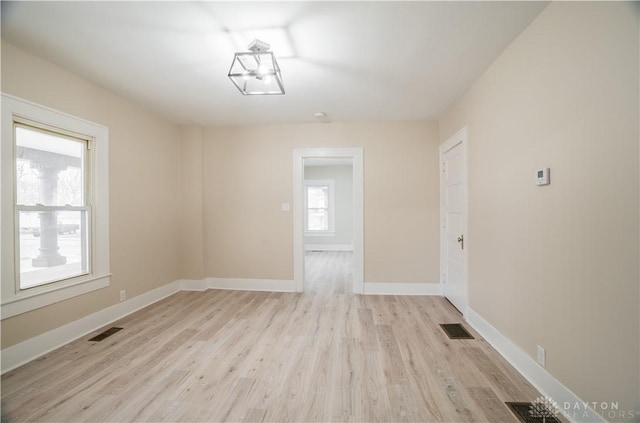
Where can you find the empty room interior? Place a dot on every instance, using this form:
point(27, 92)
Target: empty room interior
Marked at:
point(320, 211)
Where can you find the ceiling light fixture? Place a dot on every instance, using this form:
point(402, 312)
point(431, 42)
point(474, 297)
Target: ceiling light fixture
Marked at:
point(256, 72)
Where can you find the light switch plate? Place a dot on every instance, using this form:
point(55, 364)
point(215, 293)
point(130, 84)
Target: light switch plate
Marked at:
point(285, 207)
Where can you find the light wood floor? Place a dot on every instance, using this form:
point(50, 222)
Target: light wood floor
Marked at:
point(325, 355)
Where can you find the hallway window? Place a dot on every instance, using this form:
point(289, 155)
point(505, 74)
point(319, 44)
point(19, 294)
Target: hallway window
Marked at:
point(319, 201)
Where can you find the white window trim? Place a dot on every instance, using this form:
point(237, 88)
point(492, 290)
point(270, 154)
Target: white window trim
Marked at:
point(16, 302)
point(320, 183)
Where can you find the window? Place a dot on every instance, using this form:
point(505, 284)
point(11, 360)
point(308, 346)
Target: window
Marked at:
point(53, 205)
point(319, 203)
point(56, 205)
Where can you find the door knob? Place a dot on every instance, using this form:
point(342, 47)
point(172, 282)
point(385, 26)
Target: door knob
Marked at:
point(461, 241)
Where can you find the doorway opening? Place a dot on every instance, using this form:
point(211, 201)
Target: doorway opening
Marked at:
point(328, 219)
point(328, 225)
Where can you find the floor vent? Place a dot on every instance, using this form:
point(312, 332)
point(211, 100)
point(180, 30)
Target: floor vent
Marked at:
point(527, 413)
point(107, 333)
point(456, 331)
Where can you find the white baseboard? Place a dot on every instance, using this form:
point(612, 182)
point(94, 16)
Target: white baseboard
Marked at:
point(19, 354)
point(273, 285)
point(548, 386)
point(328, 247)
point(372, 288)
point(193, 284)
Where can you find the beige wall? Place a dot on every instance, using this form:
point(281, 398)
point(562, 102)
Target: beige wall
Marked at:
point(557, 266)
point(248, 173)
point(144, 188)
point(191, 229)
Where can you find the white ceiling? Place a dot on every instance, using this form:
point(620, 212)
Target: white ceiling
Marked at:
point(353, 60)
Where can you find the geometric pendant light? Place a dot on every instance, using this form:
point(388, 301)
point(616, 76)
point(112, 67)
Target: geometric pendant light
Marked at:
point(256, 72)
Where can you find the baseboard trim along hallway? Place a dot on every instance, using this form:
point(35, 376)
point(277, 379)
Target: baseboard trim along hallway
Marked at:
point(26, 351)
point(571, 407)
point(372, 288)
point(29, 350)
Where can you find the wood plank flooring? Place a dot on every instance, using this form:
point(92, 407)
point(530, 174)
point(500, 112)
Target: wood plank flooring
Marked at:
point(324, 355)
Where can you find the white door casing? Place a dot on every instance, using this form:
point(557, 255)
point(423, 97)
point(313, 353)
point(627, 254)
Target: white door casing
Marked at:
point(356, 154)
point(453, 220)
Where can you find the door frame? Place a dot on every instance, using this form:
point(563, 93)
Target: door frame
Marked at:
point(356, 154)
point(459, 138)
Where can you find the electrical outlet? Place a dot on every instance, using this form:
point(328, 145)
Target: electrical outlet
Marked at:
point(542, 356)
point(123, 295)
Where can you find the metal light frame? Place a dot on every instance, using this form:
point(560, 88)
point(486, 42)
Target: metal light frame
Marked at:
point(242, 78)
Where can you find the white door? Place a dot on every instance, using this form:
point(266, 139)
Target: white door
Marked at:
point(453, 196)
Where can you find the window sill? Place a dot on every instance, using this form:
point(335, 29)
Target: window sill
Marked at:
point(26, 301)
point(325, 233)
